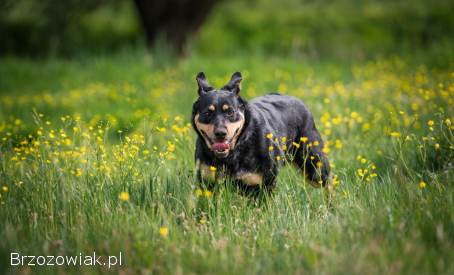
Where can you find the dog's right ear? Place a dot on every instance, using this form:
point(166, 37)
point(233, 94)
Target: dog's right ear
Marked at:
point(234, 83)
point(203, 84)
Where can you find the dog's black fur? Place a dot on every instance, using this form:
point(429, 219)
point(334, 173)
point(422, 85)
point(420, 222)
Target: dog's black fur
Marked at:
point(279, 115)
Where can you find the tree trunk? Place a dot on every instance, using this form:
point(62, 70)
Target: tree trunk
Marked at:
point(173, 20)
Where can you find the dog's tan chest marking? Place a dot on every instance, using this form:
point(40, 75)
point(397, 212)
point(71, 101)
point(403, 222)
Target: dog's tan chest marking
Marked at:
point(206, 173)
point(250, 179)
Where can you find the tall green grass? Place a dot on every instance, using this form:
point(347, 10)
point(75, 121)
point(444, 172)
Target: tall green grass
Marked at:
point(63, 197)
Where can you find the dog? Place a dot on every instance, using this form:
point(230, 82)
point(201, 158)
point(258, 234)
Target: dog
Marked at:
point(248, 141)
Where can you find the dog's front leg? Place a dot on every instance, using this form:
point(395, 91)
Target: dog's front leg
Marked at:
point(255, 182)
point(250, 178)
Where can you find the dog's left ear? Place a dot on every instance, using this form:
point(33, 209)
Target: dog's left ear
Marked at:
point(234, 83)
point(203, 85)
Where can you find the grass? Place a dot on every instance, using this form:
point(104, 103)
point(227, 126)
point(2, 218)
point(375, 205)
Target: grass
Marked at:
point(76, 136)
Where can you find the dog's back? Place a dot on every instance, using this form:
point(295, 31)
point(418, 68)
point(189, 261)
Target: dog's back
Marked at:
point(282, 115)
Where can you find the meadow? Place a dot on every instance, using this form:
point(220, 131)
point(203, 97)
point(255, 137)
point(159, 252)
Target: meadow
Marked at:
point(96, 154)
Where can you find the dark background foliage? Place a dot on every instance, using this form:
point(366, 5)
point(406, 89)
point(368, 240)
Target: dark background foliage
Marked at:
point(343, 29)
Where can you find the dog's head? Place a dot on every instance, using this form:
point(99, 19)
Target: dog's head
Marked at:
point(218, 115)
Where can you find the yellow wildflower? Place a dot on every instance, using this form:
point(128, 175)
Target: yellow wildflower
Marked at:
point(360, 172)
point(78, 172)
point(335, 180)
point(163, 231)
point(161, 130)
point(124, 196)
point(326, 149)
point(207, 193)
point(67, 142)
point(422, 184)
point(395, 134)
point(198, 192)
point(170, 146)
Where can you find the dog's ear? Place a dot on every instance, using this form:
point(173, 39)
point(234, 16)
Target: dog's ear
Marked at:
point(202, 83)
point(234, 83)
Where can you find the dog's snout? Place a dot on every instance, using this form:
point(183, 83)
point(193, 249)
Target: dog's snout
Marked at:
point(220, 133)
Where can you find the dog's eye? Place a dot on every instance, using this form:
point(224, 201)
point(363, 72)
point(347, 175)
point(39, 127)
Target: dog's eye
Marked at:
point(230, 112)
point(207, 113)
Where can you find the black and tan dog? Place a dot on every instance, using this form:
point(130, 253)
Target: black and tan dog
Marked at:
point(248, 141)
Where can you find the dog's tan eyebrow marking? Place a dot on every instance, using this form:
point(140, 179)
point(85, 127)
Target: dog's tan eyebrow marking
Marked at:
point(225, 107)
point(211, 108)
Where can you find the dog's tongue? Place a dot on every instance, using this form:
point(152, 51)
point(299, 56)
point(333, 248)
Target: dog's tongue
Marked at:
point(220, 146)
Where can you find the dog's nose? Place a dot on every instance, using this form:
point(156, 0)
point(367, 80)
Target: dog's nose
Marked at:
point(220, 133)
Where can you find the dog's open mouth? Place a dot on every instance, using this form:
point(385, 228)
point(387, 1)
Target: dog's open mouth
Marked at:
point(220, 148)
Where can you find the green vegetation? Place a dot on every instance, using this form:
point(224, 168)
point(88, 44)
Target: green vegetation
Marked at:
point(342, 29)
point(96, 150)
point(76, 134)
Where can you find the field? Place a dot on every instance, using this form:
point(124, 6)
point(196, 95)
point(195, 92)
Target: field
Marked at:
point(97, 155)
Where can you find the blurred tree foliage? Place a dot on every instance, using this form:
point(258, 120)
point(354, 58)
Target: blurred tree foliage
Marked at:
point(342, 29)
point(317, 29)
point(50, 27)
